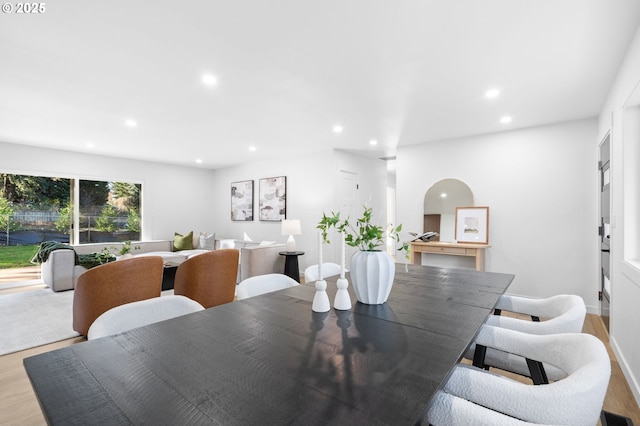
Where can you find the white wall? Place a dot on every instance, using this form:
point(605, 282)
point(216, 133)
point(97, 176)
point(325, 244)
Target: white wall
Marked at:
point(625, 278)
point(311, 190)
point(174, 199)
point(541, 188)
point(182, 199)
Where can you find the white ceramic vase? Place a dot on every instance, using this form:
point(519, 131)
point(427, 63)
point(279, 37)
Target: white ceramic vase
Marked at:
point(372, 275)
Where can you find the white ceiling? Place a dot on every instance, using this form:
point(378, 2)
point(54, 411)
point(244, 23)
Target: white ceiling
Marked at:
point(401, 72)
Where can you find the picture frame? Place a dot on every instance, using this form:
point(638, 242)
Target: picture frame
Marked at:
point(242, 201)
point(472, 225)
point(273, 199)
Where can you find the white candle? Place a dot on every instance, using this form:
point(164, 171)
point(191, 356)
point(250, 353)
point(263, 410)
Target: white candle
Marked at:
point(320, 255)
point(342, 255)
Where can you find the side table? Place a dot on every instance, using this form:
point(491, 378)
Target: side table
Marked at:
point(291, 268)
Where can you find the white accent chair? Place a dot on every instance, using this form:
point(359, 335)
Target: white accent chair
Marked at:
point(493, 399)
point(561, 314)
point(261, 284)
point(137, 314)
point(328, 269)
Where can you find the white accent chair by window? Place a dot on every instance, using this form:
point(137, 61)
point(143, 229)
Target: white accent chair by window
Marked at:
point(479, 397)
point(560, 314)
point(137, 314)
point(261, 284)
point(328, 269)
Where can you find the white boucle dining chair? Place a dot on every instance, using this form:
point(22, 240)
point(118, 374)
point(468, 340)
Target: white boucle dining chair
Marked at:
point(328, 269)
point(137, 314)
point(494, 399)
point(563, 313)
point(261, 284)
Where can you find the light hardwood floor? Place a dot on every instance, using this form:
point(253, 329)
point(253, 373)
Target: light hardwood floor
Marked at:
point(19, 406)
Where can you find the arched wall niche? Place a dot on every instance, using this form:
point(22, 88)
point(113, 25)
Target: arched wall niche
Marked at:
point(440, 204)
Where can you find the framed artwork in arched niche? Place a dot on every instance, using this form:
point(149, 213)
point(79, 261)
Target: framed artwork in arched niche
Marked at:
point(472, 225)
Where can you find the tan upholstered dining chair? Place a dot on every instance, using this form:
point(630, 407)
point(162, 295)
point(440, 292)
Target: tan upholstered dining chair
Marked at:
point(114, 284)
point(209, 278)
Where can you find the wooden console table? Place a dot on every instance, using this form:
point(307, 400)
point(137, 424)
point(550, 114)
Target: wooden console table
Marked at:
point(452, 249)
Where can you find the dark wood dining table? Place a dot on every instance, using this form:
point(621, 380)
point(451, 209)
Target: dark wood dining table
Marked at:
point(271, 360)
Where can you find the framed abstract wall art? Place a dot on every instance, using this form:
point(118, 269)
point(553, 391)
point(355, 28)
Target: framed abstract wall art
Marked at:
point(273, 199)
point(472, 225)
point(242, 200)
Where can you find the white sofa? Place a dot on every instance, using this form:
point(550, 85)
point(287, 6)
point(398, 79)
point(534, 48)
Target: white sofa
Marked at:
point(60, 272)
point(256, 258)
point(261, 260)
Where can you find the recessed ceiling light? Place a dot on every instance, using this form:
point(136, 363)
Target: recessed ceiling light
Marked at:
point(337, 128)
point(492, 93)
point(506, 119)
point(199, 161)
point(209, 80)
point(373, 142)
point(443, 195)
point(252, 148)
point(130, 123)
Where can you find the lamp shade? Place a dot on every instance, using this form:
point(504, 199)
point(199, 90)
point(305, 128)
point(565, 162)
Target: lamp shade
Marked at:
point(291, 227)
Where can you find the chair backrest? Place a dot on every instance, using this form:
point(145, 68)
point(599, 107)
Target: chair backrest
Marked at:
point(450, 410)
point(208, 278)
point(574, 400)
point(260, 260)
point(113, 284)
point(261, 284)
point(328, 269)
point(137, 314)
point(563, 313)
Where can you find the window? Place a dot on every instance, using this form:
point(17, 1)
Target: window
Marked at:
point(34, 209)
point(108, 211)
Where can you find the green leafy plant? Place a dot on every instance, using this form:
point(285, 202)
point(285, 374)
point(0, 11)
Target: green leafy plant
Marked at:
point(362, 234)
point(64, 223)
point(102, 257)
point(133, 221)
point(6, 217)
point(106, 222)
point(126, 248)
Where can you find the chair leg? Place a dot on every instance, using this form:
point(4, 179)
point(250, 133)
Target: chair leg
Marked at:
point(536, 370)
point(610, 419)
point(479, 355)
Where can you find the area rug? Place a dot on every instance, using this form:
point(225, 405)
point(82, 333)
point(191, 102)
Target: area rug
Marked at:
point(34, 318)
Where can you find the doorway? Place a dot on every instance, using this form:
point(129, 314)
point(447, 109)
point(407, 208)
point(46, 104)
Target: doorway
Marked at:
point(605, 230)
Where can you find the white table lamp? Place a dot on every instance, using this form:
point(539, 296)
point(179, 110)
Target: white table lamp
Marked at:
point(291, 227)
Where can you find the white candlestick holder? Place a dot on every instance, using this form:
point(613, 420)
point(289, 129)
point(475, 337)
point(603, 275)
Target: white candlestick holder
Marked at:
point(321, 299)
point(342, 300)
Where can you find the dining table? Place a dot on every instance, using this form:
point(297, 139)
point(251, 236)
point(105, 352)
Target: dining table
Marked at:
point(271, 360)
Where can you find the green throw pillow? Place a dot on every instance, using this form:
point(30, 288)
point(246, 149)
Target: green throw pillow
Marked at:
point(183, 242)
